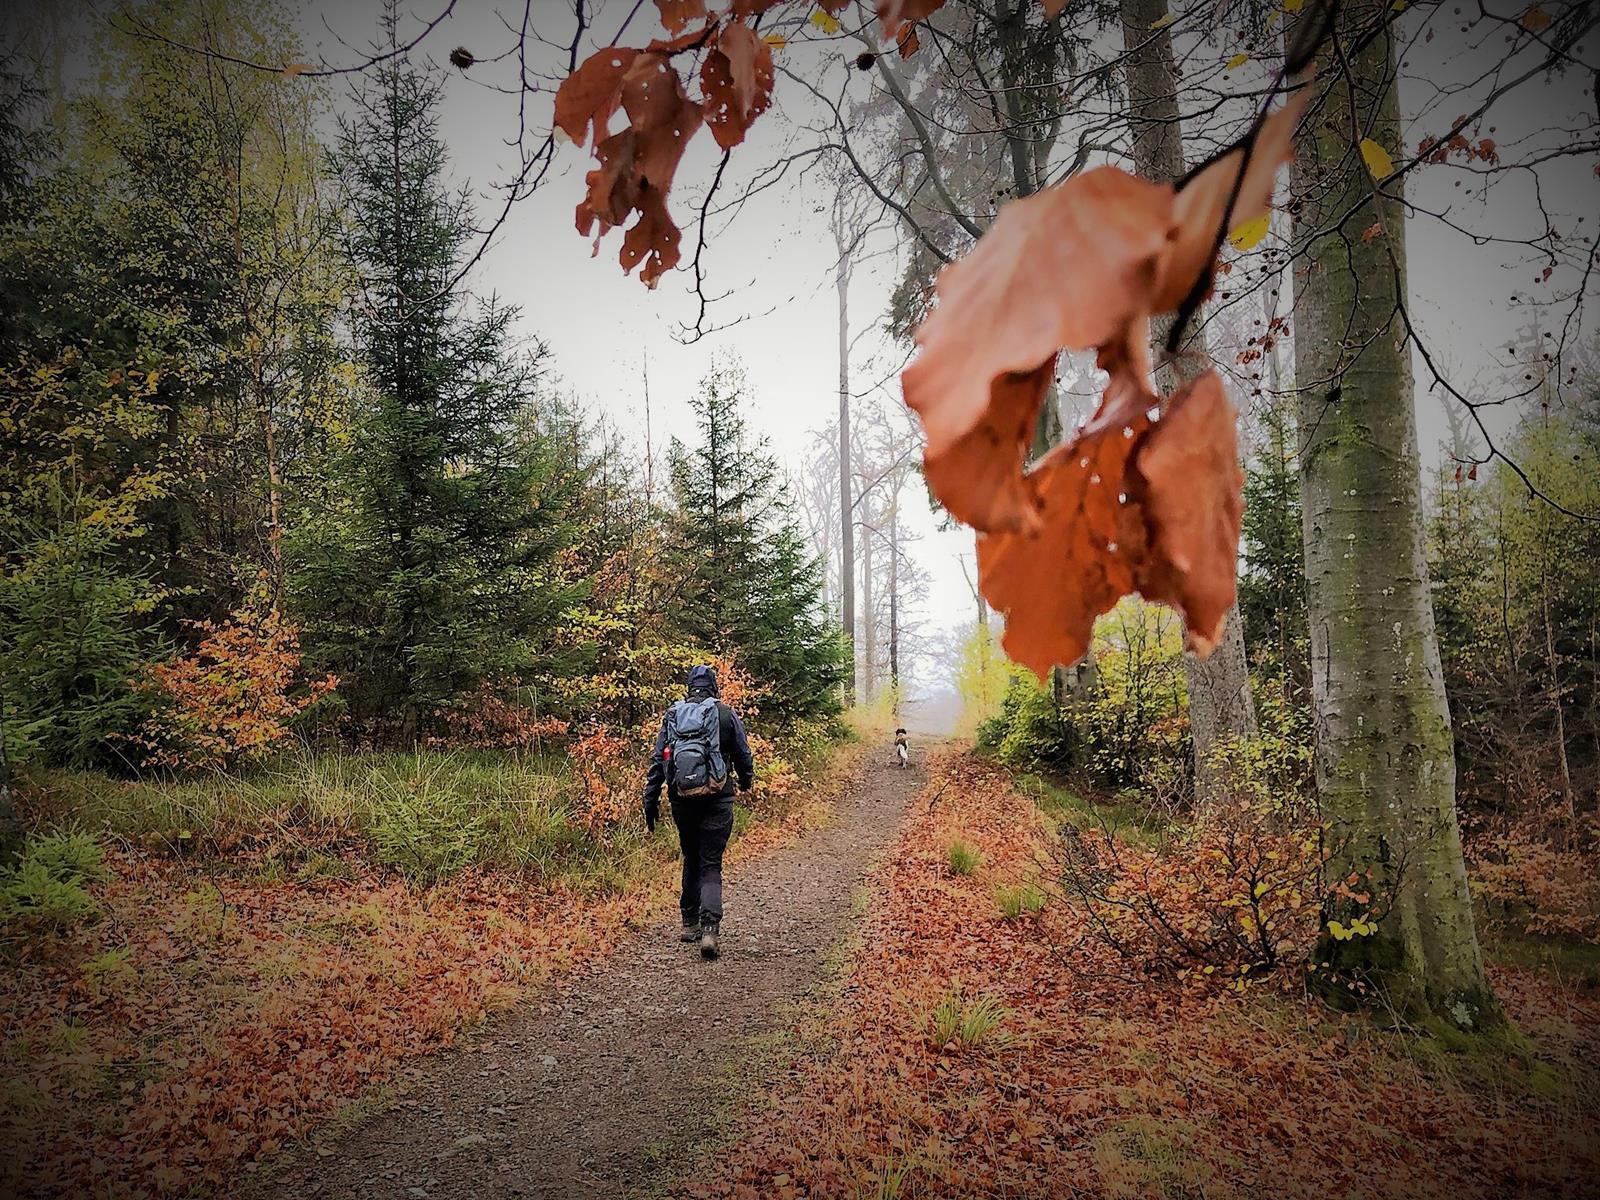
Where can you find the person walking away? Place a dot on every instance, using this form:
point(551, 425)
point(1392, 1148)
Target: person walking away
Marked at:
point(700, 753)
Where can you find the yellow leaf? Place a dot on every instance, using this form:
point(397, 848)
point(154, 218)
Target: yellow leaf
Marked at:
point(1293, 5)
point(1165, 19)
point(776, 40)
point(1261, 889)
point(1377, 159)
point(1250, 233)
point(1238, 60)
point(825, 22)
point(1340, 933)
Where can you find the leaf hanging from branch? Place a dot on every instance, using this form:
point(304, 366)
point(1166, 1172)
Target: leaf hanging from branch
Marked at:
point(1131, 503)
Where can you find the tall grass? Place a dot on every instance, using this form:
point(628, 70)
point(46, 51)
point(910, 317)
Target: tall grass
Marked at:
point(426, 815)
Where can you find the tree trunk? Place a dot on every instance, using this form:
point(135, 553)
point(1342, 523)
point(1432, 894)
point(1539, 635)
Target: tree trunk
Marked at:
point(10, 827)
point(894, 599)
point(847, 529)
point(1385, 763)
point(1220, 703)
point(869, 626)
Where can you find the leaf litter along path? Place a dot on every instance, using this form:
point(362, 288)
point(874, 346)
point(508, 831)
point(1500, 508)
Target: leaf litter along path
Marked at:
point(617, 1077)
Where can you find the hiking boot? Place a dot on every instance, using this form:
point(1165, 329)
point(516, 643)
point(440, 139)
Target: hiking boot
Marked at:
point(691, 932)
point(708, 940)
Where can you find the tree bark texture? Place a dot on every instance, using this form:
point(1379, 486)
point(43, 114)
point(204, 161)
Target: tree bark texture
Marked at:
point(1385, 765)
point(1220, 704)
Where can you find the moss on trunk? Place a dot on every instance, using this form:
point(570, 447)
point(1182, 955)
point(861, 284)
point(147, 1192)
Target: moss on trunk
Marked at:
point(1385, 765)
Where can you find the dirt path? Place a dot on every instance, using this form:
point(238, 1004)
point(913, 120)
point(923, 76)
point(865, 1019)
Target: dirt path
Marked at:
point(618, 1079)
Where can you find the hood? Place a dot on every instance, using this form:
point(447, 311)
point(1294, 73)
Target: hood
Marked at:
point(704, 680)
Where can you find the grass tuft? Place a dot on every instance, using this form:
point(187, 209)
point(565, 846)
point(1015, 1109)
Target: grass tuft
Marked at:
point(963, 857)
point(1018, 900)
point(971, 1024)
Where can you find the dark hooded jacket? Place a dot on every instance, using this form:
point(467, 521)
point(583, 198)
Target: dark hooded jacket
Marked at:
point(735, 746)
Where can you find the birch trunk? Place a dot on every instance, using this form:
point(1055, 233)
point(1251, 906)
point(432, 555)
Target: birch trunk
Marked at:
point(1385, 765)
point(847, 529)
point(1220, 704)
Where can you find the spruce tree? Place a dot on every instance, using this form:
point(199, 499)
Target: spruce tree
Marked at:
point(430, 576)
point(750, 587)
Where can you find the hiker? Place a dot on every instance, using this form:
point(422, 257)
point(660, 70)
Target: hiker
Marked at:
point(700, 751)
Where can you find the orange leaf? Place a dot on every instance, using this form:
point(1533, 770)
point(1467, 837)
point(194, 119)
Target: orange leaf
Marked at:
point(736, 78)
point(1201, 204)
point(589, 96)
point(1185, 505)
point(676, 14)
point(892, 14)
point(1053, 581)
point(1071, 266)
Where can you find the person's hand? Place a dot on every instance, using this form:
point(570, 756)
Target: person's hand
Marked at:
point(652, 813)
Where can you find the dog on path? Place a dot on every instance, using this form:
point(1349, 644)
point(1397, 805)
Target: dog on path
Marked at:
point(901, 750)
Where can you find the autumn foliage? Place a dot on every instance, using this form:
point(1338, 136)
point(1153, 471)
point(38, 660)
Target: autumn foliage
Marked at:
point(234, 697)
point(979, 1049)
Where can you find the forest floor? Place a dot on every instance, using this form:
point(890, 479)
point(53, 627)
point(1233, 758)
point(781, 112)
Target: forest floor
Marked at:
point(616, 1081)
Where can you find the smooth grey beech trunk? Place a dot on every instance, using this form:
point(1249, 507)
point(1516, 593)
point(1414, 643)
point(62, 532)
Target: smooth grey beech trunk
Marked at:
point(1385, 764)
point(1220, 703)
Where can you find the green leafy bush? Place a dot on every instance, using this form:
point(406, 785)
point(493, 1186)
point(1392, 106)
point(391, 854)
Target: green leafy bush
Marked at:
point(47, 889)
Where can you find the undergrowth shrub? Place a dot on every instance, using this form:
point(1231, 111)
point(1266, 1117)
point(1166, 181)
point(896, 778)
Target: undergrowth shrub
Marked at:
point(234, 698)
point(1235, 893)
point(1530, 882)
point(47, 889)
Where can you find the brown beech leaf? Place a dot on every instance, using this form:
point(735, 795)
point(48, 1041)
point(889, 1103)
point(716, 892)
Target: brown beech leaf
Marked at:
point(982, 471)
point(590, 95)
point(736, 79)
point(1202, 203)
point(1149, 506)
point(892, 14)
point(1181, 524)
point(637, 165)
point(1071, 266)
point(1052, 581)
point(676, 14)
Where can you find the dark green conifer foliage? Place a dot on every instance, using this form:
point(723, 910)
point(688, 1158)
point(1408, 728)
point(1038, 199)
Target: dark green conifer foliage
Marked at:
point(751, 587)
point(1272, 596)
point(432, 575)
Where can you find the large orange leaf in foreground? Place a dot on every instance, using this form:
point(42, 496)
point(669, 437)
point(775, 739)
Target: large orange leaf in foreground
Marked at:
point(1084, 265)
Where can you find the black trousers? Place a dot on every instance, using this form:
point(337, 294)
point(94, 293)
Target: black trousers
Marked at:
point(704, 823)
